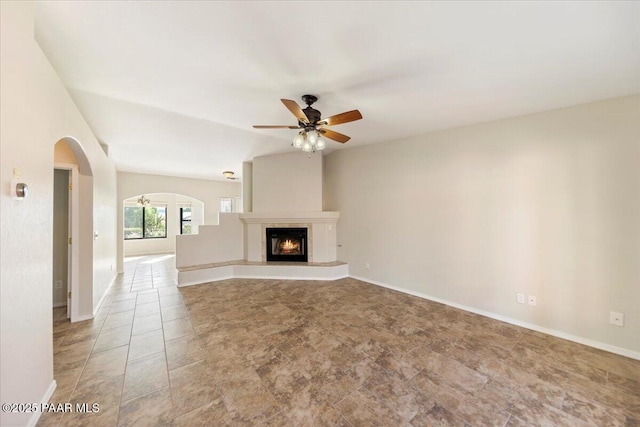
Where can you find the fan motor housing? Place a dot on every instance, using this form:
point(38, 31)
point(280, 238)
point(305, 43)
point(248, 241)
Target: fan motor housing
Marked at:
point(312, 114)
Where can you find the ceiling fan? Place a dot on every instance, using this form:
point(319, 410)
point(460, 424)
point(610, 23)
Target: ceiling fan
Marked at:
point(313, 126)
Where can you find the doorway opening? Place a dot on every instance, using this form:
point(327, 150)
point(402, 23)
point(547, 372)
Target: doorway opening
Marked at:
point(62, 231)
point(72, 184)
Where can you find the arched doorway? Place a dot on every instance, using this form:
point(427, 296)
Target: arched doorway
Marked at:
point(77, 245)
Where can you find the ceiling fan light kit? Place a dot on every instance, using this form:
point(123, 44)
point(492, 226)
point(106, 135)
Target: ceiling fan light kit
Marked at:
point(309, 141)
point(312, 136)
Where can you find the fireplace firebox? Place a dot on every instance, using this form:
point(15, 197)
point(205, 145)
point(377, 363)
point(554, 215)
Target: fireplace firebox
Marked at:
point(287, 244)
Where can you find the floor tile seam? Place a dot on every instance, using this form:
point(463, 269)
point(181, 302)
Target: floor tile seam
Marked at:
point(280, 412)
point(383, 400)
point(126, 402)
point(506, 423)
point(123, 402)
point(146, 355)
point(342, 416)
point(166, 361)
point(616, 406)
point(117, 326)
point(472, 398)
point(177, 338)
point(581, 417)
point(179, 415)
point(408, 379)
point(562, 367)
point(455, 413)
point(75, 385)
point(124, 378)
point(124, 381)
point(183, 366)
point(367, 406)
point(86, 360)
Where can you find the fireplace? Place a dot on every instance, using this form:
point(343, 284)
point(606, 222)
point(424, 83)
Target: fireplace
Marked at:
point(287, 244)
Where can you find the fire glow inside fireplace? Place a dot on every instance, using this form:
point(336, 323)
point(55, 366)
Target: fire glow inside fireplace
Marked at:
point(287, 244)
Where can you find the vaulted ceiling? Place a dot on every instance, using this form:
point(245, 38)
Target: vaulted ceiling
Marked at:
point(174, 87)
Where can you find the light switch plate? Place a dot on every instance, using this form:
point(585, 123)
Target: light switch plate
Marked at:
point(616, 318)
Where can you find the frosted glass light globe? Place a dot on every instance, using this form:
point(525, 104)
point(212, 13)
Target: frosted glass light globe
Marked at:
point(306, 147)
point(320, 144)
point(298, 140)
point(312, 137)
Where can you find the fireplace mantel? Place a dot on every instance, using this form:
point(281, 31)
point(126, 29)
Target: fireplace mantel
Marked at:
point(289, 217)
point(321, 232)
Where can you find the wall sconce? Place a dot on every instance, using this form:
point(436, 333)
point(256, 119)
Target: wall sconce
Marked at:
point(19, 190)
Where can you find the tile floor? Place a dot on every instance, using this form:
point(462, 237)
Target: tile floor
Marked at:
point(296, 353)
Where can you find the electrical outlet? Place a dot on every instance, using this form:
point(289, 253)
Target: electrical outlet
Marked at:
point(520, 298)
point(58, 284)
point(366, 266)
point(532, 300)
point(616, 318)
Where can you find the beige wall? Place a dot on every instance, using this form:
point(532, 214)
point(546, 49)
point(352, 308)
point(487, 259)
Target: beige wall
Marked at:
point(545, 204)
point(287, 182)
point(214, 243)
point(36, 111)
point(208, 192)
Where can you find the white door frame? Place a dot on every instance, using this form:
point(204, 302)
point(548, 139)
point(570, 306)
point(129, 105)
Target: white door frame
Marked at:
point(74, 252)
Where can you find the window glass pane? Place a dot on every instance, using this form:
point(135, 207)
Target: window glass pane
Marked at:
point(185, 220)
point(225, 204)
point(155, 222)
point(186, 214)
point(133, 222)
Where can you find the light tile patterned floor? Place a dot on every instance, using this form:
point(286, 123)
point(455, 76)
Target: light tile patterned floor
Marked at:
point(296, 353)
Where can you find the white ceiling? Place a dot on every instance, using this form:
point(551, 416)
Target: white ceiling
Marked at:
point(174, 87)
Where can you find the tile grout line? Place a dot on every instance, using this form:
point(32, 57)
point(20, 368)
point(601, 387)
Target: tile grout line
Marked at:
point(526, 348)
point(166, 356)
point(75, 386)
point(124, 378)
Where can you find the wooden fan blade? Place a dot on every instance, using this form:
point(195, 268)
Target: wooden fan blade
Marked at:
point(338, 119)
point(334, 135)
point(296, 110)
point(275, 127)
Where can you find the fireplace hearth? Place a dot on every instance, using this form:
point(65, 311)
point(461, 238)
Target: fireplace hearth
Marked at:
point(287, 244)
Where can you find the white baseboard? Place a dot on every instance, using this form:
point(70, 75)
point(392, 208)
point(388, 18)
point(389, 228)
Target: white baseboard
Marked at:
point(275, 272)
point(559, 334)
point(89, 316)
point(104, 295)
point(45, 399)
point(146, 253)
point(83, 318)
